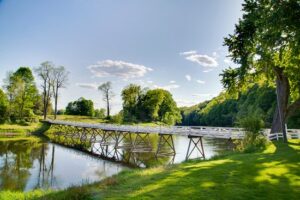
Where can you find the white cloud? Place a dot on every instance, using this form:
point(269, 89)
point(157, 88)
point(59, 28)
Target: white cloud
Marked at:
point(167, 87)
point(203, 60)
point(172, 82)
point(93, 86)
point(121, 69)
point(188, 77)
point(188, 53)
point(201, 82)
point(150, 82)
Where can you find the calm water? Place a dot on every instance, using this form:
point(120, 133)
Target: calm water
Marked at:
point(25, 165)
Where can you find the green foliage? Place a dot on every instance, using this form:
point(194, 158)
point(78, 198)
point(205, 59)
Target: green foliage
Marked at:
point(254, 140)
point(117, 118)
point(82, 107)
point(99, 113)
point(149, 105)
point(131, 96)
point(265, 44)
point(3, 106)
point(224, 110)
point(22, 94)
point(61, 111)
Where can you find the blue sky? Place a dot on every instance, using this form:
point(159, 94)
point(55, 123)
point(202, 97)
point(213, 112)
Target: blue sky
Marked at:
point(171, 44)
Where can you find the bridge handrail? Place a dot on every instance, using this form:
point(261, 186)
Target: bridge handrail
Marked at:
point(206, 131)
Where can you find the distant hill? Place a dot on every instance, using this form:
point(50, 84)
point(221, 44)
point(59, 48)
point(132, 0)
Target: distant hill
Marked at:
point(224, 110)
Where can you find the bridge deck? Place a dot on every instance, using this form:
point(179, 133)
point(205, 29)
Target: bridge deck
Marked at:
point(209, 132)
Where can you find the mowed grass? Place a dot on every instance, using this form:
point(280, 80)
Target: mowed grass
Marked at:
point(78, 118)
point(272, 174)
point(94, 120)
point(17, 128)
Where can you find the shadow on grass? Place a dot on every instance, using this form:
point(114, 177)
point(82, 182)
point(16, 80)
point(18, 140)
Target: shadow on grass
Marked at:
point(273, 174)
point(42, 129)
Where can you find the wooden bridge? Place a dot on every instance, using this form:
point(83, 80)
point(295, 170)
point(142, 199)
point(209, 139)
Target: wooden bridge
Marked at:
point(137, 138)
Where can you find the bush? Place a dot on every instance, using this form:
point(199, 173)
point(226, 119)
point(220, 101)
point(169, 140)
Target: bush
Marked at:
point(254, 140)
point(117, 119)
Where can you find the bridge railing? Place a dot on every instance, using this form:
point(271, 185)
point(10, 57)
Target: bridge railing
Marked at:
point(206, 131)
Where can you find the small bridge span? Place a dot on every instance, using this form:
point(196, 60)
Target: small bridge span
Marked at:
point(136, 138)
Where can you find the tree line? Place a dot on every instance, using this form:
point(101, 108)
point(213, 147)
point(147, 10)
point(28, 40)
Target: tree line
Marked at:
point(226, 110)
point(139, 105)
point(20, 98)
point(266, 45)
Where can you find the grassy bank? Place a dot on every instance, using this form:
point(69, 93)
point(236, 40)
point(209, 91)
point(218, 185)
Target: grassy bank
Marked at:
point(21, 132)
point(272, 174)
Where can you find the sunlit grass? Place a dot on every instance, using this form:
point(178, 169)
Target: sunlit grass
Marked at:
point(21, 129)
point(77, 118)
point(271, 174)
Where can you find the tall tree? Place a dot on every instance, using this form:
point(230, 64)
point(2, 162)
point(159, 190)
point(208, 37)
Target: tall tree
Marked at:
point(106, 89)
point(22, 92)
point(45, 73)
point(131, 96)
point(160, 106)
point(60, 79)
point(3, 106)
point(266, 43)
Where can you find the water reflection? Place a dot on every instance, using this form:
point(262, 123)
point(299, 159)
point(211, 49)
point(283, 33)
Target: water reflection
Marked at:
point(26, 165)
point(138, 150)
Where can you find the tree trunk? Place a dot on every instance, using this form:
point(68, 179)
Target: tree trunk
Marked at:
point(55, 101)
point(108, 109)
point(45, 102)
point(283, 91)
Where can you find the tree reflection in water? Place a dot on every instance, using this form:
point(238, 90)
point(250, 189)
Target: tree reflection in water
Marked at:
point(16, 160)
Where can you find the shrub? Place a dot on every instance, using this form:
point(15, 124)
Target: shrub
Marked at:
point(254, 139)
point(118, 118)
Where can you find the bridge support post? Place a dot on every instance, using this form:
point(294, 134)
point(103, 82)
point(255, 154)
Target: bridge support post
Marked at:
point(195, 141)
point(165, 139)
point(142, 143)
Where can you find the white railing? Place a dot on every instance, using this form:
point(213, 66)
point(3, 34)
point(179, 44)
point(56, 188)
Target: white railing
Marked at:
point(205, 131)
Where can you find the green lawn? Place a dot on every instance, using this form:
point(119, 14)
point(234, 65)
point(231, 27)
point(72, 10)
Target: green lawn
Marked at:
point(78, 118)
point(272, 174)
point(93, 120)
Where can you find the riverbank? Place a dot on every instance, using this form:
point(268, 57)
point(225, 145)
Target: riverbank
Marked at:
point(271, 174)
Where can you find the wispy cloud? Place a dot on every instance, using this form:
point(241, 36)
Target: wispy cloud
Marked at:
point(92, 86)
point(167, 87)
point(200, 81)
point(203, 60)
point(188, 77)
point(107, 68)
point(172, 82)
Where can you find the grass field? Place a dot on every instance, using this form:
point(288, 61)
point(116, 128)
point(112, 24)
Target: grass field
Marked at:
point(93, 120)
point(271, 174)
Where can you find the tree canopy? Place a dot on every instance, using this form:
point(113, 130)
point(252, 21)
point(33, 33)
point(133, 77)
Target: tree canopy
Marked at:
point(82, 107)
point(265, 44)
point(22, 93)
point(149, 105)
